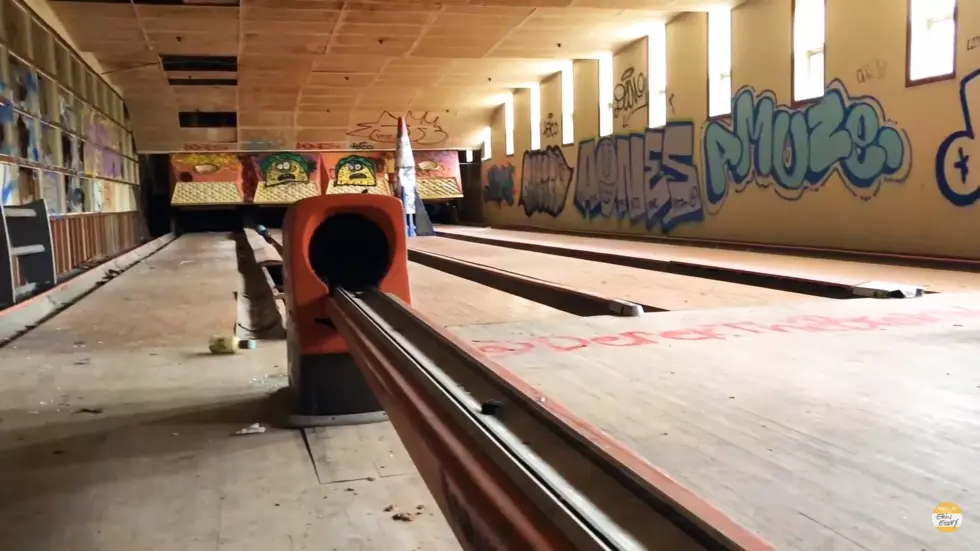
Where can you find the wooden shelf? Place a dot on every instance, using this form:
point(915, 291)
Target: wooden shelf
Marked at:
point(66, 139)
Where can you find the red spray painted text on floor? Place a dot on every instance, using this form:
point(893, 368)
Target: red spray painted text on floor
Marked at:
point(722, 331)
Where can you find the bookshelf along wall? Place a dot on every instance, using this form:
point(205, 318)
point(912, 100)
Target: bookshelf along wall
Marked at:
point(63, 133)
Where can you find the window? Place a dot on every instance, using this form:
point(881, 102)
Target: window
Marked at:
point(932, 39)
point(509, 125)
point(487, 134)
point(719, 62)
point(657, 58)
point(535, 117)
point(606, 86)
point(808, 41)
point(469, 155)
point(567, 105)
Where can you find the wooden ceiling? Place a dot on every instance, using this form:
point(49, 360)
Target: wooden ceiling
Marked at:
point(328, 74)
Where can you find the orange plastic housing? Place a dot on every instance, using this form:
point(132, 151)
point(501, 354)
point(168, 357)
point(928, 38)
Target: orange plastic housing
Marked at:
point(308, 325)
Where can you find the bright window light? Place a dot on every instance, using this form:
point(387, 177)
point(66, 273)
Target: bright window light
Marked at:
point(487, 135)
point(606, 86)
point(719, 62)
point(808, 38)
point(932, 35)
point(567, 105)
point(535, 117)
point(469, 155)
point(657, 58)
point(509, 125)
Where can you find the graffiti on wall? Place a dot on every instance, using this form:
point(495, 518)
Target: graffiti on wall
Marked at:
point(551, 128)
point(630, 95)
point(423, 129)
point(546, 178)
point(500, 185)
point(792, 151)
point(648, 177)
point(957, 182)
point(355, 170)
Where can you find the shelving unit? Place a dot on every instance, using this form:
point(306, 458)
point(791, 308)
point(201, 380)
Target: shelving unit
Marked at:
point(63, 133)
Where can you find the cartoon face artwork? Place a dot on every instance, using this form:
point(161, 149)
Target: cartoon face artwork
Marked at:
point(286, 168)
point(355, 170)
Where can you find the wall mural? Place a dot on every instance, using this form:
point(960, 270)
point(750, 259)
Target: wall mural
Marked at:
point(500, 185)
point(792, 151)
point(958, 184)
point(423, 129)
point(648, 177)
point(546, 178)
point(630, 95)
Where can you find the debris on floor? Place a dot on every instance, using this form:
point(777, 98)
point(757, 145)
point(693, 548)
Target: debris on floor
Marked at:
point(93, 411)
point(402, 517)
point(254, 428)
point(229, 345)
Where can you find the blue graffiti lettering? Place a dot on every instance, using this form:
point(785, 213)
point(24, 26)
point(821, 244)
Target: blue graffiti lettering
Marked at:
point(796, 150)
point(957, 182)
point(546, 178)
point(648, 177)
point(500, 185)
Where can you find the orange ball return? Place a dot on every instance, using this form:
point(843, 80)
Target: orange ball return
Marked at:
point(351, 241)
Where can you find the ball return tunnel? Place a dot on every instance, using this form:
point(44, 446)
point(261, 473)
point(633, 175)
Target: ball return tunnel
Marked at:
point(510, 469)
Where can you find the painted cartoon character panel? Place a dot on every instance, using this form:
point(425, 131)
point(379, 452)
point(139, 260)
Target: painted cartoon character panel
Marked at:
point(286, 168)
point(355, 170)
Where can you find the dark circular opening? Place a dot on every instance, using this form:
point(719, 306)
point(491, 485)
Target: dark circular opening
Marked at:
point(349, 251)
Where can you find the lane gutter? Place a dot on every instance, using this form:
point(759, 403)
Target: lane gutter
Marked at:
point(805, 286)
point(560, 297)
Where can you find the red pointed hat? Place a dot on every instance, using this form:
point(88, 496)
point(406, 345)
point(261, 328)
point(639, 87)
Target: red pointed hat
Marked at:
point(402, 127)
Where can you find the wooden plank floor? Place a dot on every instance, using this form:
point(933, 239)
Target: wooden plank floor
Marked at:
point(835, 271)
point(154, 465)
point(451, 300)
point(661, 290)
point(834, 425)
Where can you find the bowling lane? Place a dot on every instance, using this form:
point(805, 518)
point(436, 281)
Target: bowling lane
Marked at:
point(450, 300)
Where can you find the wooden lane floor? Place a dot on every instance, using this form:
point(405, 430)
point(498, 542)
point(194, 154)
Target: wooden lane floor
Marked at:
point(116, 432)
point(840, 272)
point(450, 300)
point(661, 290)
point(828, 425)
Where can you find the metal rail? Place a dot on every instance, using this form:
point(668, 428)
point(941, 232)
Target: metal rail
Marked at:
point(510, 469)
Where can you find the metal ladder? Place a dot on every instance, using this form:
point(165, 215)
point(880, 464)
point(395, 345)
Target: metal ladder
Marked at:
point(25, 235)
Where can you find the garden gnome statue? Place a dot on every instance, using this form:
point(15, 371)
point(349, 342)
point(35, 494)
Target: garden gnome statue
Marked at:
point(405, 174)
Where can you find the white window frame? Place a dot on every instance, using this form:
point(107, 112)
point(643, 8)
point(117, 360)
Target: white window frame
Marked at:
point(719, 62)
point(657, 76)
point(487, 147)
point(509, 125)
point(469, 155)
point(932, 39)
point(809, 39)
point(535, 97)
point(568, 104)
point(606, 91)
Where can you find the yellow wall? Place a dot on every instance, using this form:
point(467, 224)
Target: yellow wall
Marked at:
point(904, 194)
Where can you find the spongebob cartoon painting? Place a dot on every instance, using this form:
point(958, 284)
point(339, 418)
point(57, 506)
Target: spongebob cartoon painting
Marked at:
point(286, 177)
point(357, 173)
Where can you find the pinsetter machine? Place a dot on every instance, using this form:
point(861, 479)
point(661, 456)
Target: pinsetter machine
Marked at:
point(510, 469)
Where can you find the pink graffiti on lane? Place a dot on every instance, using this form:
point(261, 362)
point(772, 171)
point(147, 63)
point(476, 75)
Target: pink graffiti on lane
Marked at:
point(723, 331)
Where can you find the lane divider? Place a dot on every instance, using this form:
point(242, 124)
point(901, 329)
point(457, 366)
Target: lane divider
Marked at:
point(561, 297)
